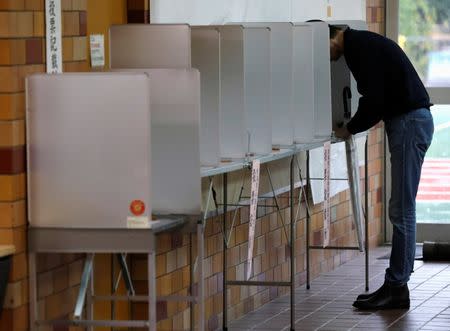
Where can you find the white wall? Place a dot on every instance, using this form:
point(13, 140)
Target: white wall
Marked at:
point(205, 12)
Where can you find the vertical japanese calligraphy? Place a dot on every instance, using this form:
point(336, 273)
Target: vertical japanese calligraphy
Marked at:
point(53, 36)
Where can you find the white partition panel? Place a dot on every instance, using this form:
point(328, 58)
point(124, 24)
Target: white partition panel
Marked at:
point(304, 101)
point(322, 80)
point(88, 146)
point(232, 100)
point(206, 58)
point(257, 90)
point(175, 127)
point(341, 93)
point(281, 81)
point(150, 46)
point(176, 185)
point(245, 119)
point(341, 78)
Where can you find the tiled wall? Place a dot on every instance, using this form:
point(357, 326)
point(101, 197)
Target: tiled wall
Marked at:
point(22, 52)
point(138, 11)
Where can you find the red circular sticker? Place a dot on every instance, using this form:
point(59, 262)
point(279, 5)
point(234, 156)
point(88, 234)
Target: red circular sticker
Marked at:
point(137, 207)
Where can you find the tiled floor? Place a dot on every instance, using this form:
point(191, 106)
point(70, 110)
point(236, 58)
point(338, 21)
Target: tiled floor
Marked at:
point(328, 304)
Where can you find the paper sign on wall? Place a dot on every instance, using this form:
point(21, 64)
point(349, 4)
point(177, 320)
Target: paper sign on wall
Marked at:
point(53, 36)
point(97, 44)
point(326, 193)
point(256, 165)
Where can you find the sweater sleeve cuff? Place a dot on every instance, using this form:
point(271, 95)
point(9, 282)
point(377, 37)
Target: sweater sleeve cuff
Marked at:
point(351, 128)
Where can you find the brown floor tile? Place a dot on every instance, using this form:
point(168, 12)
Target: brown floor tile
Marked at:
point(327, 306)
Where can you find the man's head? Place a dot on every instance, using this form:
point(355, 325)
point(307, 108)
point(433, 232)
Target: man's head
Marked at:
point(336, 42)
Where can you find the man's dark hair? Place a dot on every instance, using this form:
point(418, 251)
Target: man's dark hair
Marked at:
point(334, 29)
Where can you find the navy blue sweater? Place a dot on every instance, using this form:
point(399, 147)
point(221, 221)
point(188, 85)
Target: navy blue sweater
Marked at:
point(387, 81)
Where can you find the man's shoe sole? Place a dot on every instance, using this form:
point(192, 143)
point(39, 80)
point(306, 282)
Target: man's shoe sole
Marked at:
point(364, 296)
point(400, 305)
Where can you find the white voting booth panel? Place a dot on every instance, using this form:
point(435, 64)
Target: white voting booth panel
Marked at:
point(304, 87)
point(282, 54)
point(245, 119)
point(206, 58)
point(322, 80)
point(175, 131)
point(150, 46)
point(344, 89)
point(88, 148)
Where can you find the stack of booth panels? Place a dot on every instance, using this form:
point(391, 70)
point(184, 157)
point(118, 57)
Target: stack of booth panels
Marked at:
point(150, 46)
point(282, 54)
point(206, 58)
point(169, 46)
point(88, 150)
point(175, 126)
point(245, 119)
point(322, 80)
point(345, 95)
point(304, 100)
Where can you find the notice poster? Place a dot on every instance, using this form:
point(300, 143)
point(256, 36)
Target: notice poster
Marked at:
point(97, 45)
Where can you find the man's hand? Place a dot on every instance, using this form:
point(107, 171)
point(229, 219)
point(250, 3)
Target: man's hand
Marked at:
point(342, 132)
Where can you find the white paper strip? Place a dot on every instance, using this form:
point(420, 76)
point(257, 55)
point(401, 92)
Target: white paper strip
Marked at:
point(97, 44)
point(252, 219)
point(326, 193)
point(355, 188)
point(53, 36)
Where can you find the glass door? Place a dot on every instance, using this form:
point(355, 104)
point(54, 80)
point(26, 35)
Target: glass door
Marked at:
point(422, 29)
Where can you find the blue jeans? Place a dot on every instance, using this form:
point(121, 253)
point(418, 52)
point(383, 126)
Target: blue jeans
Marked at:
point(409, 136)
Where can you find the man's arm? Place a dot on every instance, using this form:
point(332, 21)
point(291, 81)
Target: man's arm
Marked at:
point(369, 113)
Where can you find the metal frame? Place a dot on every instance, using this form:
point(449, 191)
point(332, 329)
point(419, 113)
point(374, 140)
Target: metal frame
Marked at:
point(117, 241)
point(366, 223)
point(91, 241)
point(288, 151)
point(291, 282)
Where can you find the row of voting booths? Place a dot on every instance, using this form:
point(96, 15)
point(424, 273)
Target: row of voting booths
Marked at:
point(112, 150)
point(183, 97)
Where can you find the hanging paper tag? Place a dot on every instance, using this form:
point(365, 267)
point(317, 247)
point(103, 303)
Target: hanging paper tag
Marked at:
point(53, 36)
point(97, 44)
point(256, 164)
point(326, 194)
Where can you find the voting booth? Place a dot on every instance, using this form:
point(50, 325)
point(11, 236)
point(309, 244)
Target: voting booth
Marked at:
point(206, 58)
point(89, 150)
point(345, 96)
point(245, 118)
point(322, 80)
point(281, 81)
point(305, 92)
